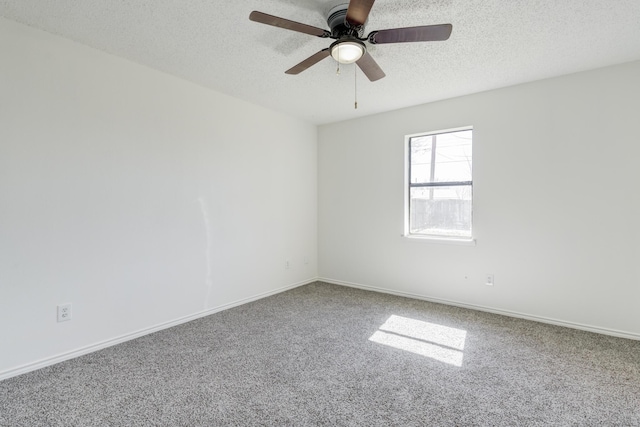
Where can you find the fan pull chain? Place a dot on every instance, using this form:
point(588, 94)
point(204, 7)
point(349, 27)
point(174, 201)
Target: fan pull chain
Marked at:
point(355, 87)
point(338, 70)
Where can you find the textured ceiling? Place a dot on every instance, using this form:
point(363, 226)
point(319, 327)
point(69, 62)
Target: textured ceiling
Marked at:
point(495, 43)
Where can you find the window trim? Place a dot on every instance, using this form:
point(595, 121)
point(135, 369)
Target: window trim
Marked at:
point(407, 189)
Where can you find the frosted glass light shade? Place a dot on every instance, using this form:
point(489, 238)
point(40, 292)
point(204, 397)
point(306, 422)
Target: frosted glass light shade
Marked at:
point(347, 52)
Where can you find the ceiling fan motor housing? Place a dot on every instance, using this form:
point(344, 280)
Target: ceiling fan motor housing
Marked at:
point(337, 22)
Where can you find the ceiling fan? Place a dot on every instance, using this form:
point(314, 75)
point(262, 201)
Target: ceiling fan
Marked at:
point(347, 22)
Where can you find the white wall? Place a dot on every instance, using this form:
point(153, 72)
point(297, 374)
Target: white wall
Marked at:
point(138, 197)
point(556, 202)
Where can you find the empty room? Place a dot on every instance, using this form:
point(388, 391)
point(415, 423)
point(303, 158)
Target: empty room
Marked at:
point(352, 213)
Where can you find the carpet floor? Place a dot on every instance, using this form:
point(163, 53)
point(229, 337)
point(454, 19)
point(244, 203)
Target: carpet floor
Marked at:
point(323, 354)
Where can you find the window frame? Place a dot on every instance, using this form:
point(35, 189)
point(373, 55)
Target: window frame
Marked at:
point(408, 185)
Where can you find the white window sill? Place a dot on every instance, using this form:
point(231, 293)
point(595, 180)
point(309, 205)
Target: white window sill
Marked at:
point(438, 239)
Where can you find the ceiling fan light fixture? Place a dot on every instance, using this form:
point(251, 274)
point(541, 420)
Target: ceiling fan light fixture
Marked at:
point(347, 23)
point(347, 52)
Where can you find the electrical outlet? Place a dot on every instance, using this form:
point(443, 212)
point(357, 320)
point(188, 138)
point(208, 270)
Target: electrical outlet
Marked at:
point(489, 281)
point(64, 312)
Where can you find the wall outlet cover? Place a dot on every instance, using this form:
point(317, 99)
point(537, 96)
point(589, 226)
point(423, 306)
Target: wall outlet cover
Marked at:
point(64, 312)
point(489, 279)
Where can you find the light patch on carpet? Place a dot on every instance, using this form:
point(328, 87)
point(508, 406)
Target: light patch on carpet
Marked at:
point(437, 342)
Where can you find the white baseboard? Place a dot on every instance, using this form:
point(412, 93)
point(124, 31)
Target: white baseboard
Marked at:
point(580, 326)
point(139, 333)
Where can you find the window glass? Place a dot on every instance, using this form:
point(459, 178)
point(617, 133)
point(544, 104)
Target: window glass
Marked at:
point(440, 184)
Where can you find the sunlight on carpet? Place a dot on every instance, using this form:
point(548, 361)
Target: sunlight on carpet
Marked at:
point(437, 342)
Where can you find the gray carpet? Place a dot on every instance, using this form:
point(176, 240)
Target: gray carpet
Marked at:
point(328, 355)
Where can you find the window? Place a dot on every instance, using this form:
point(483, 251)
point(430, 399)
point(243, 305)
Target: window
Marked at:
point(439, 190)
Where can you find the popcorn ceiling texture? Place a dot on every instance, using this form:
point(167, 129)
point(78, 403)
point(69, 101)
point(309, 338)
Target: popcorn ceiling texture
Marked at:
point(494, 43)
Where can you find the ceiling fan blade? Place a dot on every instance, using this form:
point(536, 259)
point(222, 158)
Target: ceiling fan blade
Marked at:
point(275, 21)
point(425, 33)
point(370, 67)
point(358, 12)
point(312, 60)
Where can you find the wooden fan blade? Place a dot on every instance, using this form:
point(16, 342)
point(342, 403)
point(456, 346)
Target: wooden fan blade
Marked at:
point(425, 33)
point(275, 21)
point(358, 12)
point(370, 68)
point(312, 60)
